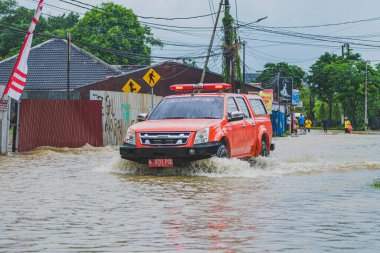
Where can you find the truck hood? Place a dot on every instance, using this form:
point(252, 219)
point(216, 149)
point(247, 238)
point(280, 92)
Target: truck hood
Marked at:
point(173, 125)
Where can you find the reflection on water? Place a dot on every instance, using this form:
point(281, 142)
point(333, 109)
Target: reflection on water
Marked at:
point(313, 194)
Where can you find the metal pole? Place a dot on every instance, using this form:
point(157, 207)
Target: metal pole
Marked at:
point(151, 101)
point(18, 126)
point(244, 64)
point(227, 43)
point(366, 97)
point(8, 125)
point(211, 42)
point(68, 64)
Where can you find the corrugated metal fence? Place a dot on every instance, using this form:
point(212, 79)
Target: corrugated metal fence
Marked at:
point(119, 111)
point(60, 123)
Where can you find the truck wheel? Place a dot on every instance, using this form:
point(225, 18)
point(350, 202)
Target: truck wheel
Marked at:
point(222, 151)
point(264, 148)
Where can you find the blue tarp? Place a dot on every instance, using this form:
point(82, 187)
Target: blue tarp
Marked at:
point(278, 123)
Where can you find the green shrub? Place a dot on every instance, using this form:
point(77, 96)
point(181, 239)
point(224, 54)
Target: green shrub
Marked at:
point(376, 183)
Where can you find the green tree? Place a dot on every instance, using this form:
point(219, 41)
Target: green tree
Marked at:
point(335, 79)
point(15, 22)
point(14, 28)
point(271, 70)
point(6, 7)
point(59, 25)
point(320, 80)
point(115, 27)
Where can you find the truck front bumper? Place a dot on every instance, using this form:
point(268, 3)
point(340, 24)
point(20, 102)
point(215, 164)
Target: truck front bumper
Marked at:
point(180, 155)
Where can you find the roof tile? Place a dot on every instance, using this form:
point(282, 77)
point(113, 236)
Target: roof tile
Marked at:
point(47, 64)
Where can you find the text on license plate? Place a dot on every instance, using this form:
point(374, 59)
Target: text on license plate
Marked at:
point(160, 162)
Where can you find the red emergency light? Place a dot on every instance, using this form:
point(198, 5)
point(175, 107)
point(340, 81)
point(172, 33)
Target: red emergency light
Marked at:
point(200, 86)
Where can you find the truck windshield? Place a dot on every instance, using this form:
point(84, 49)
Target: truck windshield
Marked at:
point(189, 108)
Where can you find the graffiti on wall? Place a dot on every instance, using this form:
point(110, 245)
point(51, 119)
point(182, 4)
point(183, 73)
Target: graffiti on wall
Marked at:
point(119, 111)
point(112, 125)
point(126, 112)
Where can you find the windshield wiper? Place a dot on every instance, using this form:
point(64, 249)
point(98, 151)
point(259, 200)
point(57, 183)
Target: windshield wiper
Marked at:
point(175, 118)
point(208, 118)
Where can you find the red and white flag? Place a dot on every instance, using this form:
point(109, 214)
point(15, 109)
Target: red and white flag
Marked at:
point(17, 79)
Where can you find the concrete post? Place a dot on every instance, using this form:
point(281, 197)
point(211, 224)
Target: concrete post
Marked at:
point(4, 126)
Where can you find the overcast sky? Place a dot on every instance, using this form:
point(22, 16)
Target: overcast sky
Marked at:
point(262, 47)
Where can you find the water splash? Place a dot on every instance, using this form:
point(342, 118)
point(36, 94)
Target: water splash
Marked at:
point(252, 168)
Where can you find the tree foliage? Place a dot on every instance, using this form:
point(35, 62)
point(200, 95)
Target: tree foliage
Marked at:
point(115, 27)
point(110, 26)
point(15, 21)
point(271, 70)
point(336, 79)
point(7, 7)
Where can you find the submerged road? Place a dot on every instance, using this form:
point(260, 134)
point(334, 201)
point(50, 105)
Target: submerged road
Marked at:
point(314, 194)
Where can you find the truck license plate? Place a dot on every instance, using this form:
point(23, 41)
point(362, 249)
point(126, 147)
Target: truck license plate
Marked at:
point(160, 162)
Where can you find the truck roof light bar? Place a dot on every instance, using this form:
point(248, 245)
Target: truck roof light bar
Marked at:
point(201, 86)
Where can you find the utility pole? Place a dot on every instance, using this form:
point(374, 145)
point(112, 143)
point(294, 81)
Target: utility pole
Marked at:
point(228, 50)
point(366, 97)
point(244, 43)
point(68, 64)
point(348, 49)
point(211, 42)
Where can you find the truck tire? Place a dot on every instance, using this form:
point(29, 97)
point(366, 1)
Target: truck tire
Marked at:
point(222, 151)
point(264, 148)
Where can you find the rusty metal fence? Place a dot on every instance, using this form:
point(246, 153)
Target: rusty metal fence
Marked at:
point(60, 123)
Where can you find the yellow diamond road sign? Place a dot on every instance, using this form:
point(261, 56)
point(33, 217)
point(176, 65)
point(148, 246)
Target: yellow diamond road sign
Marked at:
point(151, 77)
point(131, 86)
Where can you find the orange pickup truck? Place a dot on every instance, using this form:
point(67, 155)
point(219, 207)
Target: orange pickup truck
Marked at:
point(203, 123)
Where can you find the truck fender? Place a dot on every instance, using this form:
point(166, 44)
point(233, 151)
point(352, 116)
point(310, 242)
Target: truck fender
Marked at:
point(221, 136)
point(262, 131)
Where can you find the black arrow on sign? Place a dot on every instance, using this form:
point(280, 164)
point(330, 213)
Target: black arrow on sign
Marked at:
point(131, 86)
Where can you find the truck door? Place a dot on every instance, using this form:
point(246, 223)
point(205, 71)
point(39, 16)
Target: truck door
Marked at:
point(250, 127)
point(236, 130)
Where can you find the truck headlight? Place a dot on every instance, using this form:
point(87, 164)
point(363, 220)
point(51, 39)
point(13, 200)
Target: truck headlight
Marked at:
point(130, 138)
point(202, 135)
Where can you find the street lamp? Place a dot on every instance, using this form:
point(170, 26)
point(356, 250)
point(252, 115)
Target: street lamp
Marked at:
point(245, 43)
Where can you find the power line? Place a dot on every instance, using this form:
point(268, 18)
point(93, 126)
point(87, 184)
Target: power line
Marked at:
point(327, 25)
point(115, 51)
point(178, 44)
point(317, 37)
point(143, 17)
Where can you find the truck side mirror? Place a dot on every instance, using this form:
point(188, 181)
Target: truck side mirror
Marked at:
point(141, 117)
point(236, 115)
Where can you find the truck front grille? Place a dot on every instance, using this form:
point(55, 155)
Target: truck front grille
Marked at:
point(164, 138)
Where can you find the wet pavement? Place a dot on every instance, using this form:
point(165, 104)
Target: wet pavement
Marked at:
point(314, 194)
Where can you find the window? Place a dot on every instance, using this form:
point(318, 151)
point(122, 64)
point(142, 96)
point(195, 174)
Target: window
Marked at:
point(243, 106)
point(258, 107)
point(189, 108)
point(231, 106)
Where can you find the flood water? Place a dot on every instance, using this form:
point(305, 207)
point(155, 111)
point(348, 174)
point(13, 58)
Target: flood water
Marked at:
point(314, 194)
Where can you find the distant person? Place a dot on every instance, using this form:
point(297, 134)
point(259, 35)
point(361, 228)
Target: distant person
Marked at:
point(295, 127)
point(302, 122)
point(308, 124)
point(289, 122)
point(347, 125)
point(324, 125)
